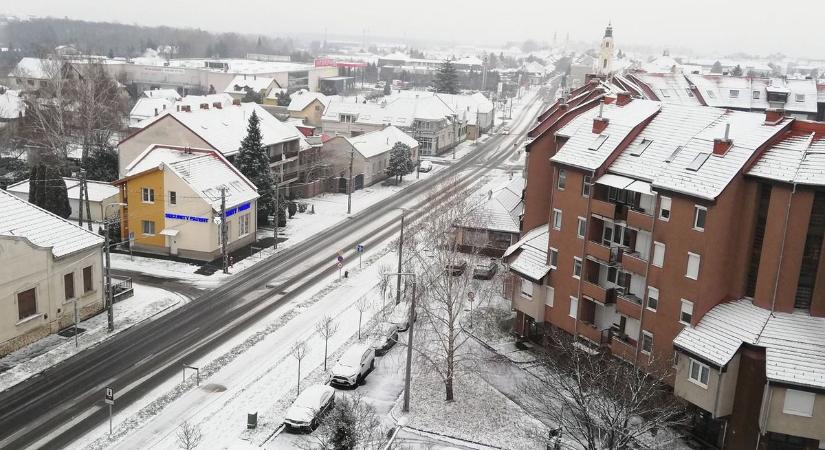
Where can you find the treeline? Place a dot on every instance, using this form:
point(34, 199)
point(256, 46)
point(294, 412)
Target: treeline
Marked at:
point(39, 37)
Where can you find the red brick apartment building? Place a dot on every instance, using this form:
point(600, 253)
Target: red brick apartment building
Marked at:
point(686, 234)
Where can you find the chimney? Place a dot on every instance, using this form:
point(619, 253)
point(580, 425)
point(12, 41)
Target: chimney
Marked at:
point(600, 122)
point(721, 146)
point(164, 107)
point(178, 106)
point(217, 105)
point(244, 76)
point(236, 102)
point(156, 111)
point(774, 115)
point(186, 108)
point(623, 98)
point(204, 105)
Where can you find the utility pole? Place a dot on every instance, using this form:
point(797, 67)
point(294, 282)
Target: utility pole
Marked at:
point(80, 205)
point(277, 213)
point(411, 320)
point(86, 195)
point(400, 248)
point(225, 257)
point(349, 184)
point(109, 297)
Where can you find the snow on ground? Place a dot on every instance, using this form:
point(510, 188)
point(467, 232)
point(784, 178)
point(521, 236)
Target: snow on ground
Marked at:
point(147, 302)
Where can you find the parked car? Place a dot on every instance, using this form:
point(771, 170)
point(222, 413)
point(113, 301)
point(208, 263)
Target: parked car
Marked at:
point(456, 268)
point(505, 130)
point(353, 365)
point(400, 316)
point(384, 337)
point(425, 166)
point(308, 409)
point(486, 270)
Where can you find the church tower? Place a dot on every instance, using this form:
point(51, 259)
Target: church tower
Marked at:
point(606, 53)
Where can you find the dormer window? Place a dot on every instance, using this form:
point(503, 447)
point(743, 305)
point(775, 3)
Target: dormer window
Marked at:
point(799, 98)
point(639, 149)
point(756, 95)
point(734, 93)
point(711, 94)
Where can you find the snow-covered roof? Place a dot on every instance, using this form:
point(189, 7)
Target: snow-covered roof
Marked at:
point(42, 228)
point(501, 212)
point(528, 256)
point(794, 349)
point(230, 65)
point(224, 128)
point(377, 142)
point(669, 87)
point(299, 101)
point(205, 171)
point(98, 190)
point(253, 82)
point(146, 107)
point(11, 105)
point(37, 68)
point(798, 158)
point(168, 94)
point(662, 64)
point(725, 91)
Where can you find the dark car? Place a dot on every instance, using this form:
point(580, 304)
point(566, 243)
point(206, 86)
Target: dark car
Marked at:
point(456, 268)
point(486, 270)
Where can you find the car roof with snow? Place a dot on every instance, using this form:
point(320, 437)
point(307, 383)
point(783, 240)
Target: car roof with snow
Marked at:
point(352, 357)
point(312, 396)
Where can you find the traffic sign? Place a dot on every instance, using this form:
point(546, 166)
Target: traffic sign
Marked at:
point(471, 296)
point(340, 264)
point(359, 248)
point(340, 259)
point(110, 396)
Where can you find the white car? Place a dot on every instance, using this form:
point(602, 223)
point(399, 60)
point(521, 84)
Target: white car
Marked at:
point(400, 316)
point(384, 337)
point(505, 130)
point(309, 407)
point(353, 366)
point(425, 166)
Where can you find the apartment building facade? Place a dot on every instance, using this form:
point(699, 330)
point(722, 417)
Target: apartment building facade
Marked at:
point(658, 217)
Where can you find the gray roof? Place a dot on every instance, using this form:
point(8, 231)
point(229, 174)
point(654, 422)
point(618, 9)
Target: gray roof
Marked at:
point(502, 212)
point(528, 256)
point(798, 158)
point(794, 348)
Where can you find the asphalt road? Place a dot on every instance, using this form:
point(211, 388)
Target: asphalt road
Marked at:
point(54, 408)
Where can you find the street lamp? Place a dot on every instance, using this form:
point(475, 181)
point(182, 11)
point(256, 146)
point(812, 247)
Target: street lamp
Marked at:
point(410, 320)
point(108, 293)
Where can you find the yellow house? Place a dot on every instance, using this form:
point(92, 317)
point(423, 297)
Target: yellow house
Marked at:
point(308, 106)
point(174, 203)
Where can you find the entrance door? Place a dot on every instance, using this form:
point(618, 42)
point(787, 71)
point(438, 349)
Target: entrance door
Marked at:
point(173, 245)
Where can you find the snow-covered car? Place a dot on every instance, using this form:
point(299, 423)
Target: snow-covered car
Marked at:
point(400, 316)
point(485, 270)
point(456, 268)
point(306, 411)
point(384, 336)
point(505, 130)
point(353, 366)
point(425, 166)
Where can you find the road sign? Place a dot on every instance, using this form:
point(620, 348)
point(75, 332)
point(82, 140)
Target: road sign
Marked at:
point(471, 296)
point(110, 396)
point(359, 248)
point(340, 264)
point(340, 259)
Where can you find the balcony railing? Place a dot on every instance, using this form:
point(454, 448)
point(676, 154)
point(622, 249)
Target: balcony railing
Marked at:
point(623, 347)
point(598, 293)
point(640, 220)
point(613, 211)
point(629, 305)
point(592, 333)
point(634, 263)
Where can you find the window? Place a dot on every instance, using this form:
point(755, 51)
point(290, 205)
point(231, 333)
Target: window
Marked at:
point(557, 219)
point(148, 195)
point(148, 227)
point(87, 279)
point(549, 298)
point(68, 286)
point(26, 304)
point(673, 155)
point(581, 228)
point(665, 93)
point(756, 95)
point(711, 94)
point(698, 373)
point(652, 298)
point(647, 342)
point(554, 258)
point(686, 314)
point(587, 184)
point(577, 267)
point(173, 198)
point(639, 149)
point(799, 98)
point(693, 266)
point(700, 213)
point(688, 92)
point(562, 181)
point(574, 307)
point(734, 93)
point(664, 209)
point(698, 161)
point(526, 288)
point(799, 403)
point(658, 254)
point(598, 142)
point(243, 225)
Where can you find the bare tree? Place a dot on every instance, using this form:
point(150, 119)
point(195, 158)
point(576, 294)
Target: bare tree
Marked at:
point(299, 350)
point(600, 402)
point(445, 275)
point(351, 424)
point(189, 436)
point(384, 282)
point(362, 304)
point(326, 327)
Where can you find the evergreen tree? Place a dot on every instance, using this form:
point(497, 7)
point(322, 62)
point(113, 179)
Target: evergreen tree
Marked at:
point(400, 162)
point(48, 190)
point(737, 71)
point(446, 79)
point(253, 162)
point(387, 88)
point(716, 68)
point(101, 164)
point(283, 98)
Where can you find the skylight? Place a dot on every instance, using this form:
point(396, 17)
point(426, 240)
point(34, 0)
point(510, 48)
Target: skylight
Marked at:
point(697, 162)
point(598, 142)
point(639, 149)
point(734, 93)
point(711, 94)
point(673, 155)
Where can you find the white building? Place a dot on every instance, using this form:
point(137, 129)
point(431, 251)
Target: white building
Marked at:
point(370, 154)
point(101, 194)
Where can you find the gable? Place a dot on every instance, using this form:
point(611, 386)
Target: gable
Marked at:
point(165, 131)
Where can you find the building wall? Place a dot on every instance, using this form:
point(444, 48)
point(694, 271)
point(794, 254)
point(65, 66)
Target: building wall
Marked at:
point(717, 398)
point(780, 422)
point(167, 131)
point(44, 273)
point(337, 128)
point(532, 306)
point(311, 114)
point(138, 211)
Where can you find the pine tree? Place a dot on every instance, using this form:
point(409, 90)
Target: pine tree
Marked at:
point(400, 162)
point(387, 88)
point(47, 189)
point(253, 162)
point(101, 164)
point(737, 71)
point(716, 68)
point(446, 79)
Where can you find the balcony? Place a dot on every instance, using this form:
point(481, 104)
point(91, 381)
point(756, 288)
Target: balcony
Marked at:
point(629, 305)
point(610, 210)
point(598, 251)
point(598, 293)
point(639, 220)
point(623, 347)
point(590, 332)
point(634, 263)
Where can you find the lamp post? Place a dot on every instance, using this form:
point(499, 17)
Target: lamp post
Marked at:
point(108, 293)
point(411, 321)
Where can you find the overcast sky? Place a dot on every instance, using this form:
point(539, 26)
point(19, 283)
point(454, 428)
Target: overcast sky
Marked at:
point(707, 26)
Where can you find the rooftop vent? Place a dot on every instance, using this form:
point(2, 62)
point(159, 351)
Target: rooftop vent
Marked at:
point(600, 122)
point(721, 146)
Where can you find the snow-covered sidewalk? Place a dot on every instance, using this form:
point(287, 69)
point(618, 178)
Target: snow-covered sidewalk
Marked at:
point(146, 303)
